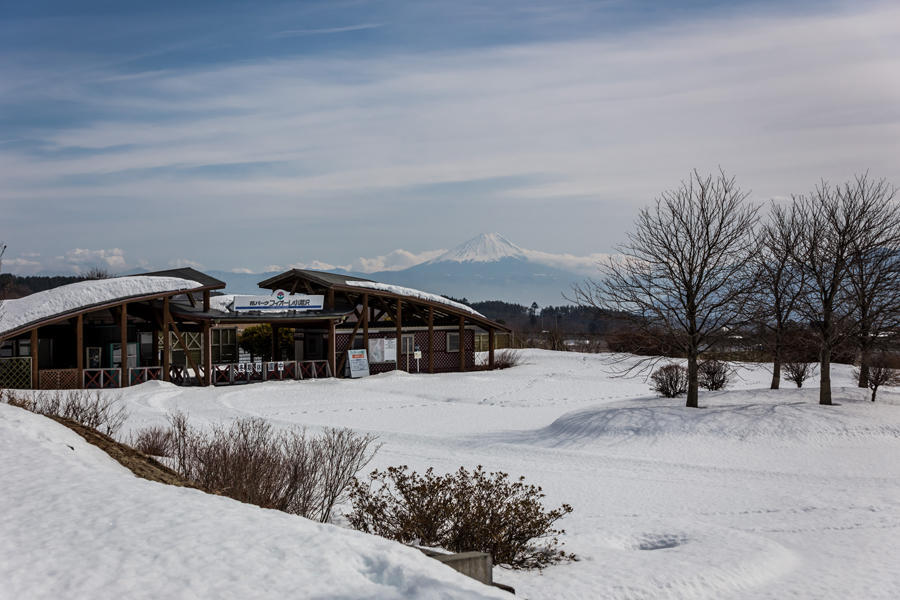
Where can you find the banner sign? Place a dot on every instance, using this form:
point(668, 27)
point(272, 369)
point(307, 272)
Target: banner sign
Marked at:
point(279, 301)
point(359, 363)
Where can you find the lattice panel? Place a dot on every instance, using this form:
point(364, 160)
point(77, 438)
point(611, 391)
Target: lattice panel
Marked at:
point(443, 360)
point(15, 373)
point(59, 379)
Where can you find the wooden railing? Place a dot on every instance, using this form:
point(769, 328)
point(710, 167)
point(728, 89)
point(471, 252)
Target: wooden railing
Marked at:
point(249, 372)
point(101, 379)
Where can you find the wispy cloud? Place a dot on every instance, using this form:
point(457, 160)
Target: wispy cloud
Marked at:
point(334, 157)
point(328, 30)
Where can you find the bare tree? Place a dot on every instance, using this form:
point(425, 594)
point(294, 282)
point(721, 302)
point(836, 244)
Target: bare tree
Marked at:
point(838, 224)
point(882, 371)
point(875, 272)
point(686, 269)
point(780, 283)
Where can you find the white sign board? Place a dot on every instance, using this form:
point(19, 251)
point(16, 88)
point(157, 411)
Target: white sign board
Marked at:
point(278, 301)
point(390, 350)
point(376, 350)
point(382, 350)
point(359, 363)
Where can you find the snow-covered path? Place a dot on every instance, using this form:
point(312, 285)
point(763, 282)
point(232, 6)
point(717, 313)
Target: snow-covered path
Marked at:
point(761, 494)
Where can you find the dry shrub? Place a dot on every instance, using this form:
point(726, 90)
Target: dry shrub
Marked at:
point(884, 369)
point(462, 511)
point(798, 371)
point(670, 380)
point(101, 412)
point(506, 358)
point(152, 441)
point(713, 374)
point(285, 470)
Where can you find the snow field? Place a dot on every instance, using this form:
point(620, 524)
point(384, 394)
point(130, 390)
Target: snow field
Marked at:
point(761, 494)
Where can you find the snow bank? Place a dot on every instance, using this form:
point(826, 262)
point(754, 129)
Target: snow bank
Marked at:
point(75, 524)
point(82, 294)
point(405, 291)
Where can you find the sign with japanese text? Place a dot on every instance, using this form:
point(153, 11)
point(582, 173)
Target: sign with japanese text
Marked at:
point(278, 301)
point(359, 363)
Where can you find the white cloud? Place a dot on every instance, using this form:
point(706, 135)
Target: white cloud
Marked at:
point(80, 260)
point(394, 261)
point(178, 263)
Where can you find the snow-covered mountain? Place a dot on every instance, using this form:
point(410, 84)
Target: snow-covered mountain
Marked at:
point(487, 247)
point(486, 267)
point(491, 267)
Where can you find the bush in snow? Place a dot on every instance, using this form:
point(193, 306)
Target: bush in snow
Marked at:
point(670, 380)
point(96, 410)
point(461, 511)
point(883, 370)
point(798, 371)
point(152, 441)
point(713, 374)
point(506, 358)
point(285, 470)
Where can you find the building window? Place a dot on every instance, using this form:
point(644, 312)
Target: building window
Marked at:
point(408, 344)
point(452, 342)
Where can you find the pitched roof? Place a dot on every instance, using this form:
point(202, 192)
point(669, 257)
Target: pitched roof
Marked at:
point(187, 273)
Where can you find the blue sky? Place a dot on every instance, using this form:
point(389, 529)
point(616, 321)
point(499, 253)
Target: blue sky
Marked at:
point(254, 135)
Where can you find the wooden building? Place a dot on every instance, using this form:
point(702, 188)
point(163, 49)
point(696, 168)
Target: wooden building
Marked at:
point(175, 325)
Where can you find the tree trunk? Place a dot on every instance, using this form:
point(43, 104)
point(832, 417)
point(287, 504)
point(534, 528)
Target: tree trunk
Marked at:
point(693, 387)
point(863, 372)
point(776, 363)
point(825, 376)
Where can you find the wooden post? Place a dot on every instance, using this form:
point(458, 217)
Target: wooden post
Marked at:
point(206, 301)
point(366, 322)
point(399, 325)
point(331, 347)
point(207, 353)
point(167, 341)
point(329, 299)
point(430, 339)
point(123, 345)
point(79, 348)
point(276, 346)
point(462, 343)
point(491, 348)
point(35, 381)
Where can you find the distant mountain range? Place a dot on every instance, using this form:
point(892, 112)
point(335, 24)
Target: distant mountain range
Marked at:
point(486, 267)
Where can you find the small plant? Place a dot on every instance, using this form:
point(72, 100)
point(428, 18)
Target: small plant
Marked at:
point(462, 511)
point(713, 374)
point(670, 380)
point(96, 410)
point(506, 358)
point(288, 470)
point(798, 371)
point(882, 371)
point(153, 441)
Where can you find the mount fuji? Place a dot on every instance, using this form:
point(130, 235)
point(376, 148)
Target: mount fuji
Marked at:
point(490, 267)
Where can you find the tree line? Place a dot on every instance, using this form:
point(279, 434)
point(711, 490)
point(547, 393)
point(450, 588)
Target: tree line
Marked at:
point(702, 268)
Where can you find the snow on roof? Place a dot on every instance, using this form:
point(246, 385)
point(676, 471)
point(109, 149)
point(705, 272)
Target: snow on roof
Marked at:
point(83, 294)
point(413, 293)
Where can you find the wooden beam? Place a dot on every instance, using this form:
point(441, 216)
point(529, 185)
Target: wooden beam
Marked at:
point(207, 353)
point(329, 299)
point(79, 349)
point(340, 366)
point(366, 322)
point(399, 323)
point(294, 287)
point(331, 347)
point(167, 341)
point(276, 347)
point(462, 343)
point(430, 340)
point(123, 345)
point(490, 347)
point(35, 380)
